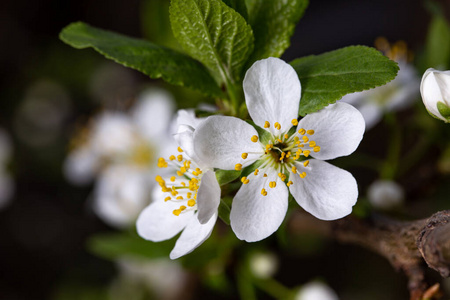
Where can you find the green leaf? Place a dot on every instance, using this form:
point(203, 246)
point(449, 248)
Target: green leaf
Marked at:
point(273, 24)
point(327, 77)
point(437, 47)
point(239, 6)
point(114, 245)
point(226, 176)
point(151, 59)
point(224, 210)
point(213, 33)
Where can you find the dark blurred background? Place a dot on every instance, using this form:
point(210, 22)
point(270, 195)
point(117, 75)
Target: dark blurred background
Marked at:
point(44, 228)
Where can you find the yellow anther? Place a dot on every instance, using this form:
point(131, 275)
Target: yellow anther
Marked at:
point(182, 207)
point(177, 212)
point(183, 184)
point(179, 173)
point(195, 173)
point(254, 138)
point(302, 175)
point(266, 124)
point(310, 132)
point(238, 167)
point(172, 178)
point(198, 171)
point(159, 179)
point(277, 125)
point(256, 172)
point(172, 157)
point(306, 153)
point(265, 175)
point(306, 163)
point(167, 199)
point(296, 138)
point(305, 139)
point(246, 181)
point(189, 195)
point(180, 198)
point(279, 141)
point(288, 154)
point(294, 122)
point(174, 193)
point(282, 176)
point(243, 179)
point(289, 183)
point(286, 136)
point(272, 184)
point(283, 154)
point(312, 144)
point(162, 163)
point(294, 169)
point(180, 157)
point(244, 155)
point(191, 203)
point(183, 170)
point(316, 149)
point(180, 150)
point(269, 146)
point(264, 192)
point(302, 131)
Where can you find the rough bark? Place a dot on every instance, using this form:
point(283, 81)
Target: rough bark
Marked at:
point(406, 244)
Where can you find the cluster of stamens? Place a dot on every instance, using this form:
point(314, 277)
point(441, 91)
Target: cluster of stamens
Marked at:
point(183, 187)
point(282, 153)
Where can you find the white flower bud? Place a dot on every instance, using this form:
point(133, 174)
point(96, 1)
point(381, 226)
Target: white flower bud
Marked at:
point(385, 194)
point(263, 265)
point(435, 91)
point(316, 291)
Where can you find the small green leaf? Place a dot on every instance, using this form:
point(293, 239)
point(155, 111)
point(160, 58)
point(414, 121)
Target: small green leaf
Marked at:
point(226, 176)
point(224, 211)
point(273, 24)
point(327, 77)
point(239, 6)
point(151, 59)
point(213, 33)
point(437, 47)
point(114, 245)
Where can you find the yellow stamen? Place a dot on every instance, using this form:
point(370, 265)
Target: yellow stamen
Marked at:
point(254, 139)
point(256, 172)
point(189, 195)
point(172, 157)
point(167, 198)
point(277, 125)
point(244, 155)
point(180, 150)
point(302, 131)
point(177, 212)
point(305, 139)
point(172, 178)
point(265, 175)
point(238, 167)
point(316, 149)
point(306, 163)
point(159, 179)
point(294, 169)
point(294, 122)
point(310, 132)
point(289, 183)
point(264, 192)
point(243, 179)
point(180, 198)
point(272, 184)
point(182, 207)
point(306, 153)
point(266, 124)
point(191, 203)
point(312, 144)
point(302, 175)
point(286, 136)
point(180, 157)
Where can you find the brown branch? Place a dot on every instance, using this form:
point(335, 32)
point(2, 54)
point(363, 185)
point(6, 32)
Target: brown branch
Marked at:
point(405, 244)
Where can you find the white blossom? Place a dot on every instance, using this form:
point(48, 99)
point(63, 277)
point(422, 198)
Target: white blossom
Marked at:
point(435, 91)
point(272, 94)
point(316, 291)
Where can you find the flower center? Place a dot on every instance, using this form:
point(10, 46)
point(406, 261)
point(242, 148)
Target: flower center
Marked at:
point(284, 153)
point(183, 187)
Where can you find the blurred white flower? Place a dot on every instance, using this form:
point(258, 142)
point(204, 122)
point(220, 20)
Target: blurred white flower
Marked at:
point(385, 194)
point(6, 182)
point(395, 95)
point(166, 279)
point(263, 264)
point(316, 291)
point(120, 150)
point(435, 91)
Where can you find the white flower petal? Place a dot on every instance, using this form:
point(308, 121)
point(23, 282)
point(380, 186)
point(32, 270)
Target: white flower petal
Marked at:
point(81, 165)
point(272, 92)
point(327, 192)
point(254, 216)
point(220, 141)
point(193, 236)
point(208, 197)
point(339, 129)
point(157, 221)
point(185, 140)
point(152, 113)
point(431, 91)
point(187, 117)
